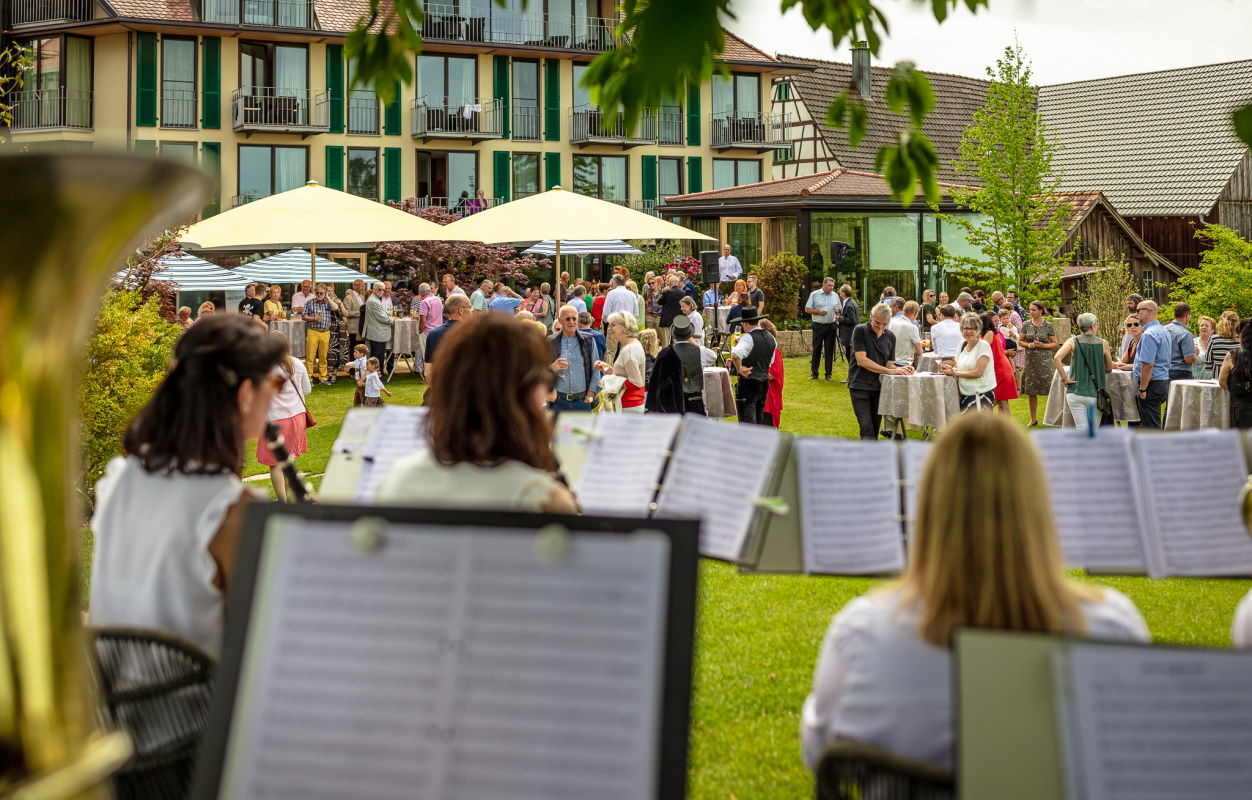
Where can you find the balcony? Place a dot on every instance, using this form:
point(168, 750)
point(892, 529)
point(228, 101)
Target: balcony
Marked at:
point(28, 13)
point(178, 108)
point(261, 13)
point(44, 109)
point(589, 125)
point(242, 199)
point(530, 28)
point(454, 118)
point(670, 127)
point(363, 113)
point(526, 124)
point(263, 109)
point(458, 205)
point(751, 131)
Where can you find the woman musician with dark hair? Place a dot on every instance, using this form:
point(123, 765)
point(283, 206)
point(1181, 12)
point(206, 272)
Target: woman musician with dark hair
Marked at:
point(168, 513)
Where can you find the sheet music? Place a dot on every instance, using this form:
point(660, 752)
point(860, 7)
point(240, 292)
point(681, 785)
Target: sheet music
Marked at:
point(1094, 498)
point(913, 461)
point(624, 463)
point(451, 665)
point(716, 475)
point(397, 433)
point(1190, 482)
point(354, 433)
point(849, 506)
point(1146, 723)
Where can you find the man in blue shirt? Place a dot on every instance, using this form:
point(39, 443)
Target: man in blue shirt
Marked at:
point(504, 300)
point(1182, 344)
point(823, 309)
point(577, 379)
point(584, 324)
point(1151, 370)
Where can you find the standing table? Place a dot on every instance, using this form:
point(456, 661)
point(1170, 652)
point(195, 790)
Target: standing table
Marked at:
point(293, 331)
point(921, 400)
point(1196, 404)
point(406, 344)
point(1120, 385)
point(719, 397)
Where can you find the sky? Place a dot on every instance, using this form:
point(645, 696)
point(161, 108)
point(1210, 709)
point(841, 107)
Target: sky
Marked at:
point(1065, 40)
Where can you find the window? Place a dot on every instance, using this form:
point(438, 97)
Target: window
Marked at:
point(669, 176)
point(782, 90)
point(179, 151)
point(525, 174)
point(56, 92)
point(264, 171)
point(363, 172)
point(178, 83)
point(728, 172)
point(446, 178)
point(601, 176)
point(737, 96)
point(362, 105)
point(581, 95)
point(1148, 286)
point(526, 100)
point(448, 82)
point(670, 123)
point(279, 13)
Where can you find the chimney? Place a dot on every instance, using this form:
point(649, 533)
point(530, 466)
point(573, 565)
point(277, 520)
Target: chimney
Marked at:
point(862, 78)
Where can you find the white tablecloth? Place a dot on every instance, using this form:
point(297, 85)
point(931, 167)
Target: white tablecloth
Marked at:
point(926, 401)
point(1120, 385)
point(721, 325)
point(404, 336)
point(719, 397)
point(293, 331)
point(1196, 404)
point(929, 362)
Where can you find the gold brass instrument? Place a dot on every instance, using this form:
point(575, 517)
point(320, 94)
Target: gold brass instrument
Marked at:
point(67, 221)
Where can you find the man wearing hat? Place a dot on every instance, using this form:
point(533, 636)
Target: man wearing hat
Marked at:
point(752, 355)
point(677, 384)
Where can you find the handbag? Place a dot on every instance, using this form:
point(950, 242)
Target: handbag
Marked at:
point(309, 420)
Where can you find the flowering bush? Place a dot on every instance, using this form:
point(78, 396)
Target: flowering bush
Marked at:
point(688, 266)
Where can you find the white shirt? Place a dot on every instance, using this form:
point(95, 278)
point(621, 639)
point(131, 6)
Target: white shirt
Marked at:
point(386, 301)
point(877, 681)
point(290, 399)
point(908, 339)
point(946, 338)
point(420, 480)
point(152, 567)
point(967, 360)
point(358, 364)
point(620, 299)
point(697, 327)
point(728, 268)
point(374, 385)
point(1241, 630)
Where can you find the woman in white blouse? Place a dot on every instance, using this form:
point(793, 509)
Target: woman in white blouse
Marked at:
point(884, 674)
point(697, 321)
point(168, 513)
point(631, 362)
point(975, 374)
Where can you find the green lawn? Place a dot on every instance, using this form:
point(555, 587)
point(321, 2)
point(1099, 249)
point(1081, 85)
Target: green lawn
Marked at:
point(758, 635)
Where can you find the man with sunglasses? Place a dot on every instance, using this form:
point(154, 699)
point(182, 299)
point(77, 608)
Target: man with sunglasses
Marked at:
point(1151, 370)
point(316, 318)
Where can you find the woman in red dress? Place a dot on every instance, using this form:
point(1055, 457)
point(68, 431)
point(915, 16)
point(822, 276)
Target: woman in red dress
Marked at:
point(1006, 385)
point(774, 395)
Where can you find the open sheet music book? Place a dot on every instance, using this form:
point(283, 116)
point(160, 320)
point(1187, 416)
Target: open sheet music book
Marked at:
point(624, 462)
point(384, 653)
point(397, 432)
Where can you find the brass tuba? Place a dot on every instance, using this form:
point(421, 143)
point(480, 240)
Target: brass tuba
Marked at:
point(67, 220)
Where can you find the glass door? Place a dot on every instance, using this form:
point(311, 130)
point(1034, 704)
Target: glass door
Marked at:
point(746, 237)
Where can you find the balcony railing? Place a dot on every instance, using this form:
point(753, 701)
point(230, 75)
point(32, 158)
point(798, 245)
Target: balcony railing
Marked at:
point(178, 108)
point(242, 199)
point(263, 13)
point(463, 206)
point(37, 12)
point(533, 28)
point(362, 113)
point(646, 206)
point(751, 131)
point(526, 123)
point(52, 108)
point(670, 127)
point(263, 108)
point(589, 125)
point(455, 118)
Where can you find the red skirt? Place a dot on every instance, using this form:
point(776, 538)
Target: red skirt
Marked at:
point(292, 430)
point(1006, 383)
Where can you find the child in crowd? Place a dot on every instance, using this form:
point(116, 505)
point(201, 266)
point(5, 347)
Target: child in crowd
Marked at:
point(372, 381)
point(356, 371)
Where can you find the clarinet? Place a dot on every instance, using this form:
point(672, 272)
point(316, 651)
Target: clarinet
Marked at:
point(274, 439)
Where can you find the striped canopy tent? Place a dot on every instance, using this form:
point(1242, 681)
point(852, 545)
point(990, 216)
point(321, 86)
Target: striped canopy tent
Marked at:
point(296, 265)
point(191, 274)
point(581, 247)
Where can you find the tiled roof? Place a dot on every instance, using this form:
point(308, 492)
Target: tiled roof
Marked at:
point(1156, 143)
point(173, 10)
point(1083, 203)
point(836, 182)
point(956, 99)
point(737, 49)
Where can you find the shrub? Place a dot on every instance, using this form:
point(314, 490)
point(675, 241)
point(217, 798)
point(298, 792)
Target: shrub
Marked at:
point(654, 257)
point(1103, 293)
point(126, 359)
point(782, 277)
point(688, 266)
point(1224, 278)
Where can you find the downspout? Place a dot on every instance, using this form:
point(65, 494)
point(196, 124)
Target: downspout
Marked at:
point(130, 83)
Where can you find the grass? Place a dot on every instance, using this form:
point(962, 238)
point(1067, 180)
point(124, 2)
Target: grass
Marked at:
point(758, 635)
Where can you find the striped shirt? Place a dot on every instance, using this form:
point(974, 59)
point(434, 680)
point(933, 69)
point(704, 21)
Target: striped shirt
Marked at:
point(1219, 348)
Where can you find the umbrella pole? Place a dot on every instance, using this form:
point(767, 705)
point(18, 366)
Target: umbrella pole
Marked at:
point(557, 281)
point(313, 265)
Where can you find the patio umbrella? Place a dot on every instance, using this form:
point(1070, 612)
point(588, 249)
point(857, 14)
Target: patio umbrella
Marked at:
point(294, 266)
point(312, 216)
point(561, 216)
point(574, 247)
point(190, 274)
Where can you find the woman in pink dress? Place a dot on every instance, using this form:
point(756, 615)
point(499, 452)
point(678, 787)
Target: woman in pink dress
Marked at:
point(1006, 385)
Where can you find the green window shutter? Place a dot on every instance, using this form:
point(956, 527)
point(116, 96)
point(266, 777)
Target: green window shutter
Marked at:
point(649, 177)
point(334, 167)
point(695, 176)
point(146, 80)
point(693, 114)
point(392, 178)
point(144, 147)
point(334, 87)
point(500, 91)
point(211, 83)
point(500, 176)
point(391, 114)
point(552, 100)
point(211, 162)
point(551, 170)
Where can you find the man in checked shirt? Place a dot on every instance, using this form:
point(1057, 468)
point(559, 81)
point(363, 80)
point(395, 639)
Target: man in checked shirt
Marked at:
point(317, 334)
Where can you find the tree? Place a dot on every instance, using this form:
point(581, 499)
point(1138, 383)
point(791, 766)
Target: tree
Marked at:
point(1224, 278)
point(1005, 151)
point(469, 262)
point(137, 274)
point(654, 257)
point(15, 63)
point(1103, 292)
point(664, 45)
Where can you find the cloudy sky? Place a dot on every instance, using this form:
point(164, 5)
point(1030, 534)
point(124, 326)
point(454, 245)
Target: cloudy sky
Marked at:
point(1067, 40)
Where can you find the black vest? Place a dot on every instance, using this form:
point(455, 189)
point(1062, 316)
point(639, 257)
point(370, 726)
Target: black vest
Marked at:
point(762, 355)
point(693, 372)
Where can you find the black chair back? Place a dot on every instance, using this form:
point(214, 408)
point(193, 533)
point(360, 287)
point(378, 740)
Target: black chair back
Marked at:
point(855, 771)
